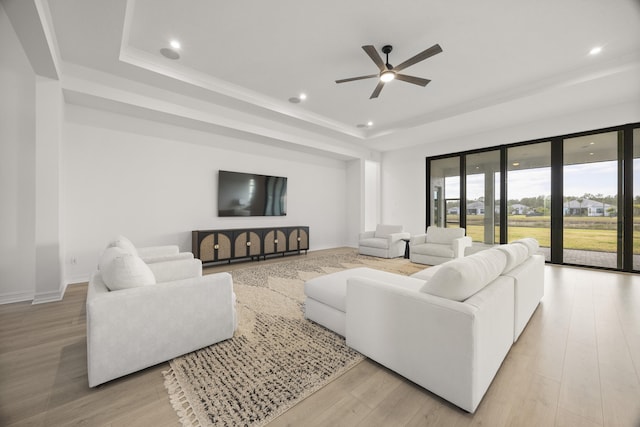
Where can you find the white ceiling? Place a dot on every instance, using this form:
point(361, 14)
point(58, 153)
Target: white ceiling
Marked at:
point(503, 62)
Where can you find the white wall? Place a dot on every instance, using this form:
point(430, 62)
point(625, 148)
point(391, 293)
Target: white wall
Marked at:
point(154, 183)
point(371, 194)
point(17, 168)
point(49, 275)
point(403, 171)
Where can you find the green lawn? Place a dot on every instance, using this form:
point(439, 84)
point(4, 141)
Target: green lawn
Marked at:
point(582, 233)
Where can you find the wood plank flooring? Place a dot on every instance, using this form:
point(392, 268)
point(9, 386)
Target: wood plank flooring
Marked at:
point(576, 364)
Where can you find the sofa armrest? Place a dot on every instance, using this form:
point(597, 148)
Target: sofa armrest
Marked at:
point(170, 271)
point(418, 239)
point(459, 244)
point(131, 329)
point(395, 237)
point(165, 258)
point(366, 235)
point(157, 251)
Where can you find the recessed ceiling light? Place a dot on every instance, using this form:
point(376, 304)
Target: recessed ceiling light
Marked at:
point(591, 154)
point(515, 164)
point(175, 44)
point(596, 50)
point(369, 123)
point(591, 143)
point(302, 96)
point(169, 53)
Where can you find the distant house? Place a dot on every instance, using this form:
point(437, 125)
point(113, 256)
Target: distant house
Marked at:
point(587, 207)
point(454, 211)
point(475, 208)
point(519, 209)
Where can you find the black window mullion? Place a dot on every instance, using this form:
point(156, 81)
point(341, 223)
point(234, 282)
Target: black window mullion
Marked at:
point(463, 191)
point(625, 200)
point(557, 190)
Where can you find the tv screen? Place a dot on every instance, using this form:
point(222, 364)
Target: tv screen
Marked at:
point(245, 194)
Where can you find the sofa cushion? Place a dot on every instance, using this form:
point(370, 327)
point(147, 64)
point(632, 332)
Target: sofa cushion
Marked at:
point(531, 244)
point(331, 289)
point(375, 243)
point(127, 271)
point(460, 278)
point(516, 254)
point(384, 230)
point(124, 244)
point(433, 249)
point(443, 235)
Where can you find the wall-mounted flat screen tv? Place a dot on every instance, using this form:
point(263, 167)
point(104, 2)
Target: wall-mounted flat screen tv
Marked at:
point(246, 194)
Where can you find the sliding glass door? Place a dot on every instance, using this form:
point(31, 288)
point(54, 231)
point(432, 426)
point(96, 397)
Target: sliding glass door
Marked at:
point(445, 192)
point(529, 194)
point(578, 195)
point(483, 197)
point(590, 194)
point(636, 199)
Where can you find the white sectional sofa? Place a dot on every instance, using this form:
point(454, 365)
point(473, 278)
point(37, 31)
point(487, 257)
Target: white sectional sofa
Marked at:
point(139, 315)
point(447, 328)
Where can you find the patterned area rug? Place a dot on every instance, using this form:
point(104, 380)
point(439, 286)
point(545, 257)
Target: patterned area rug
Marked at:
point(276, 357)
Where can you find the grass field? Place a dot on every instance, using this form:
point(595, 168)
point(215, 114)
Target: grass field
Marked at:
point(582, 233)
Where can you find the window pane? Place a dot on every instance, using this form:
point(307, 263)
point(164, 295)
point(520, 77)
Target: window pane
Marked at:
point(636, 199)
point(483, 197)
point(445, 192)
point(529, 194)
point(590, 198)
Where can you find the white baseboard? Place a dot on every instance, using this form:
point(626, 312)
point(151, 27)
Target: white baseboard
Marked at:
point(11, 297)
point(51, 296)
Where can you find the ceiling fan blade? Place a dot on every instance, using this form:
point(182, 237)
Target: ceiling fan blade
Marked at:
point(411, 79)
point(433, 50)
point(377, 90)
point(356, 78)
point(375, 57)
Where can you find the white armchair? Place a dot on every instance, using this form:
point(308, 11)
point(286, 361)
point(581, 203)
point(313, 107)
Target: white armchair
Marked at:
point(438, 245)
point(139, 315)
point(385, 242)
point(150, 254)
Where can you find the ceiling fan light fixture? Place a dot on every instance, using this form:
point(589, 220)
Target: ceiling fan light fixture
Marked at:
point(387, 76)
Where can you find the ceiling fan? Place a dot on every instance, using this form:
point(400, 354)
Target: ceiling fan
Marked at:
point(388, 72)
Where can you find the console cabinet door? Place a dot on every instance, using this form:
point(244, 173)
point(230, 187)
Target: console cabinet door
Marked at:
point(299, 239)
point(246, 244)
point(275, 241)
point(215, 246)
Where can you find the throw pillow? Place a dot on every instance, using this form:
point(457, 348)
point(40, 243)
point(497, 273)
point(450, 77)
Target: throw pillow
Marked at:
point(108, 256)
point(516, 254)
point(124, 244)
point(531, 244)
point(127, 271)
point(460, 278)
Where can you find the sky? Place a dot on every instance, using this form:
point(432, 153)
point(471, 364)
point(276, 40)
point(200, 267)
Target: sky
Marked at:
point(594, 178)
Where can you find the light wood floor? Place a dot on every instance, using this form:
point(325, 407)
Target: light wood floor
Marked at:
point(576, 364)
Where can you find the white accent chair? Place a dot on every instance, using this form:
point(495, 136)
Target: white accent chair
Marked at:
point(438, 245)
point(385, 242)
point(139, 315)
point(150, 254)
